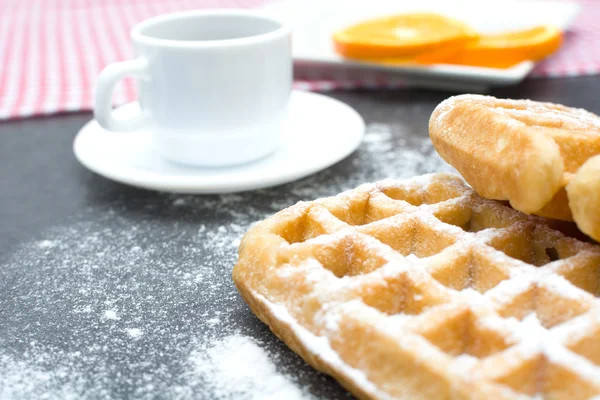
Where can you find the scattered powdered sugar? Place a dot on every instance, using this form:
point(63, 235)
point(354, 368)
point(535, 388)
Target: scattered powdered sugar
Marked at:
point(124, 307)
point(321, 346)
point(133, 298)
point(508, 289)
point(111, 314)
point(132, 302)
point(387, 151)
point(558, 284)
point(134, 333)
point(46, 244)
point(530, 330)
point(113, 308)
point(239, 367)
point(21, 380)
point(534, 338)
point(464, 363)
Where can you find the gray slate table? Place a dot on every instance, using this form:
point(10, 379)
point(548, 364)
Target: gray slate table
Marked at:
point(108, 291)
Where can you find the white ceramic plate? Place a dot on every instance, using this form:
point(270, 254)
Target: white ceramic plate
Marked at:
point(319, 132)
point(314, 22)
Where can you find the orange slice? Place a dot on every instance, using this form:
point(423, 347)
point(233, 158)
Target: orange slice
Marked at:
point(502, 50)
point(401, 36)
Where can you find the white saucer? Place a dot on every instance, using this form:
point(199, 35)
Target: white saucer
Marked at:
point(318, 132)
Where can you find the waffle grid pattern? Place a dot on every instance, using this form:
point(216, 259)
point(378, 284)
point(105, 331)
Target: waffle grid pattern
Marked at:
point(433, 292)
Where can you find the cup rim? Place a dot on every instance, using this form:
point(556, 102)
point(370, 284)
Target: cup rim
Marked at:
point(138, 37)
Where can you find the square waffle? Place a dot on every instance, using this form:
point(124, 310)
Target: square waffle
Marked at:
point(420, 289)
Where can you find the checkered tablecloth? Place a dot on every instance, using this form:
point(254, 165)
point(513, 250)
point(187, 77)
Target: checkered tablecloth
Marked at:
point(51, 51)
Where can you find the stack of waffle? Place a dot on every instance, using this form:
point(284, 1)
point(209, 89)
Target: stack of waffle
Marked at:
point(423, 289)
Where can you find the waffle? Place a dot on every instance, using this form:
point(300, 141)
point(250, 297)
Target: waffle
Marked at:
point(517, 150)
point(584, 197)
point(421, 289)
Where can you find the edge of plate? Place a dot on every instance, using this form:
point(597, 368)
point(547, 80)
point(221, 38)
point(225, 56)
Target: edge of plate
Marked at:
point(154, 181)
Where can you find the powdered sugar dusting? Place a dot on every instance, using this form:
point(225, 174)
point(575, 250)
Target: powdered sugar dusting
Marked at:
point(113, 308)
point(122, 300)
point(111, 314)
point(21, 380)
point(46, 244)
point(321, 346)
point(387, 151)
point(464, 363)
point(239, 367)
point(139, 303)
point(134, 333)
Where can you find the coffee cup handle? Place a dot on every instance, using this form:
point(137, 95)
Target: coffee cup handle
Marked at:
point(107, 80)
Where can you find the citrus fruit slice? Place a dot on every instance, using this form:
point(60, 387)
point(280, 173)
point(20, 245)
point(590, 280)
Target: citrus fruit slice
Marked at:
point(401, 36)
point(501, 50)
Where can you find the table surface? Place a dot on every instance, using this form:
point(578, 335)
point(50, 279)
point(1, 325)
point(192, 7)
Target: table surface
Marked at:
point(108, 291)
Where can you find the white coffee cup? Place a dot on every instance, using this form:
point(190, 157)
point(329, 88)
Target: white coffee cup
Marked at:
point(214, 85)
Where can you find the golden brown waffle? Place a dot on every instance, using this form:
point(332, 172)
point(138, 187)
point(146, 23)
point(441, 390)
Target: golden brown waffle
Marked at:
point(584, 197)
point(517, 150)
point(421, 289)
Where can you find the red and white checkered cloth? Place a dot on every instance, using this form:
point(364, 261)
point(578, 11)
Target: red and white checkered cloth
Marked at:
point(51, 51)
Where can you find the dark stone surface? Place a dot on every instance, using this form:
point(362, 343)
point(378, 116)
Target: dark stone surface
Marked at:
point(76, 248)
